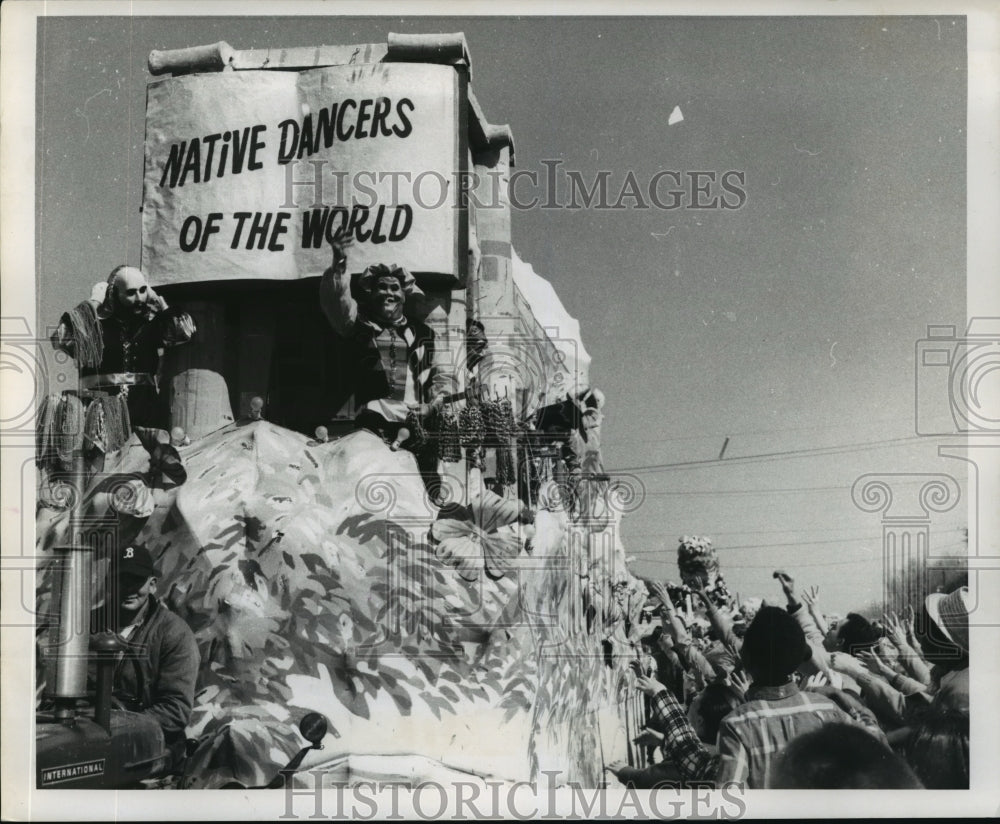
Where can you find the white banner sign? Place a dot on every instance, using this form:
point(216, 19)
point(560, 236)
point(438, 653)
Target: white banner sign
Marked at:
point(249, 174)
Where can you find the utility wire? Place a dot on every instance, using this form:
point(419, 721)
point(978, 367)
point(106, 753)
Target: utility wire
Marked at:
point(822, 531)
point(768, 546)
point(769, 456)
point(791, 489)
point(730, 433)
point(795, 564)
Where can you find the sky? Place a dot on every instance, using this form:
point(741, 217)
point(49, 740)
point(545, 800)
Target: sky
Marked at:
point(788, 325)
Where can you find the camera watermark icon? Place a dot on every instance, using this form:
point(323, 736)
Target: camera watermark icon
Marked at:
point(912, 568)
point(32, 370)
point(79, 544)
point(906, 502)
point(958, 380)
point(33, 375)
point(957, 392)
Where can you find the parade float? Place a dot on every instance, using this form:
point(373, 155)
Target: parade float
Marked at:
point(486, 634)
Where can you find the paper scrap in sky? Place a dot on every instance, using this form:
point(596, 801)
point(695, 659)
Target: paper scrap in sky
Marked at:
point(675, 116)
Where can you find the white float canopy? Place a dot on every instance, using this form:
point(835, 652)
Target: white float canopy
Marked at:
point(562, 328)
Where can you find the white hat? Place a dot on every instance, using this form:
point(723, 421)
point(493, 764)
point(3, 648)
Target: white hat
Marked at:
point(951, 614)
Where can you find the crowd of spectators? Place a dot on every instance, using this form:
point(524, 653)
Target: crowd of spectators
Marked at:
point(790, 697)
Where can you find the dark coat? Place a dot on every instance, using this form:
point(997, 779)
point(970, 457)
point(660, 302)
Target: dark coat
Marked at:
point(158, 671)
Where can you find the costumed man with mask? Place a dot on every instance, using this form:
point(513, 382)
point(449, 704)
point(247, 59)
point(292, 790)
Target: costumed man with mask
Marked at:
point(116, 338)
point(400, 374)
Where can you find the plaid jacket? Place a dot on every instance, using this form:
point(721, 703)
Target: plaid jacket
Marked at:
point(681, 744)
point(753, 734)
point(749, 737)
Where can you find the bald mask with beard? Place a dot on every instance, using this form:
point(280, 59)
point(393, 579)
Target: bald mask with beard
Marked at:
point(129, 295)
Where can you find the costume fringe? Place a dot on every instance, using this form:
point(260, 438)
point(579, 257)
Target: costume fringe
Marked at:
point(108, 426)
point(45, 428)
point(87, 335)
point(68, 429)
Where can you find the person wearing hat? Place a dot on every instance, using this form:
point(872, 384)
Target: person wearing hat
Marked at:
point(398, 367)
point(776, 711)
point(898, 699)
point(116, 337)
point(946, 642)
point(156, 674)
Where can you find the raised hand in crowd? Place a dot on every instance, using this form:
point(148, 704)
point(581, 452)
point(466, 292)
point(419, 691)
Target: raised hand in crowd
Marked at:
point(899, 632)
point(740, 681)
point(810, 598)
point(659, 590)
point(847, 664)
point(894, 630)
point(699, 585)
point(824, 682)
point(649, 738)
point(721, 623)
point(874, 663)
point(815, 680)
point(649, 685)
point(911, 635)
point(788, 587)
point(830, 678)
point(671, 620)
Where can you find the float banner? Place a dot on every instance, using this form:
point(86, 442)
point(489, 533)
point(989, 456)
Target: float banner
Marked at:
point(249, 174)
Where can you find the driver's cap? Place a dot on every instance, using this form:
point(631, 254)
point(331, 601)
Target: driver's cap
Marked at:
point(135, 562)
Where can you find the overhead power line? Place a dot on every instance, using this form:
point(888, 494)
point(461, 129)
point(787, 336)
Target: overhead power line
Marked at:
point(858, 540)
point(792, 564)
point(769, 456)
point(770, 491)
point(948, 528)
point(657, 438)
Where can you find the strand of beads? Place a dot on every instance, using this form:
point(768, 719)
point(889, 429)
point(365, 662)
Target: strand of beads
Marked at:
point(471, 431)
point(499, 421)
point(449, 438)
point(418, 433)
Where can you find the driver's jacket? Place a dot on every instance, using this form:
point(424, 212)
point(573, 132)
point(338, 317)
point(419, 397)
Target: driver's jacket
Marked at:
point(157, 673)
